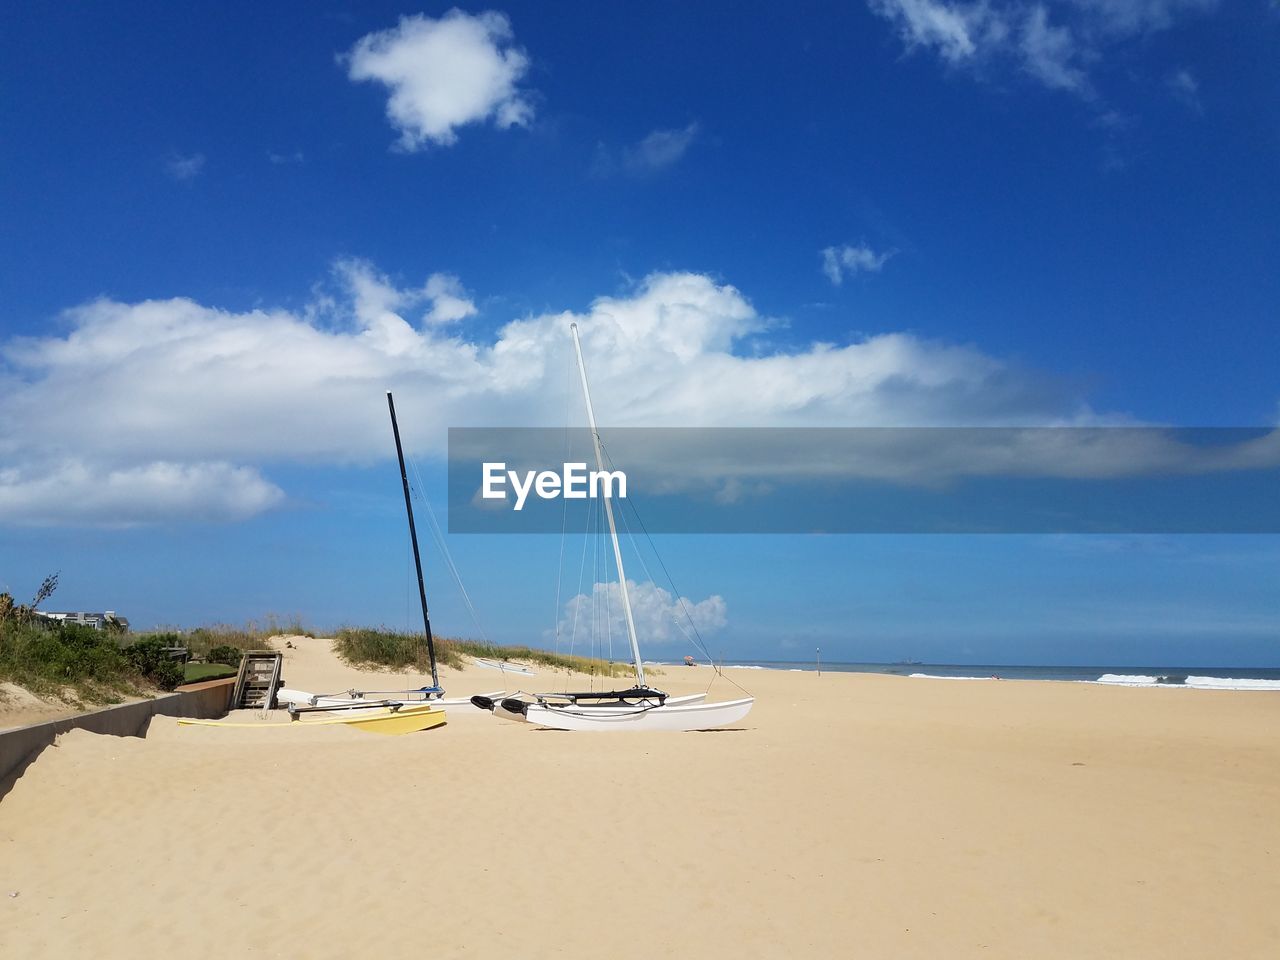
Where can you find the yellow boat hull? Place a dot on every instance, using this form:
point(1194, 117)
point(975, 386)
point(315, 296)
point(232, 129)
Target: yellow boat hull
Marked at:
point(388, 722)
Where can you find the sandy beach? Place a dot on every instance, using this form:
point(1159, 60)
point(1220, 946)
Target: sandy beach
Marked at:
point(850, 815)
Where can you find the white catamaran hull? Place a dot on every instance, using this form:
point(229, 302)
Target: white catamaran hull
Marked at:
point(504, 714)
point(669, 716)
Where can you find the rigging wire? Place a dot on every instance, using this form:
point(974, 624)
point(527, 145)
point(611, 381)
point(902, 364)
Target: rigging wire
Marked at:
point(564, 514)
point(719, 669)
point(408, 581)
point(608, 611)
point(437, 534)
point(599, 574)
point(577, 606)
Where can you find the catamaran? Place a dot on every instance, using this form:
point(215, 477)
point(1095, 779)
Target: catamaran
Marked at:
point(639, 707)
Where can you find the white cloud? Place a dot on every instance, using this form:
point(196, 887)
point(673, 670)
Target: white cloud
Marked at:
point(737, 470)
point(444, 74)
point(933, 23)
point(1051, 53)
point(377, 303)
point(136, 386)
point(448, 300)
point(1183, 84)
point(1125, 18)
point(1053, 41)
point(280, 159)
point(837, 261)
point(184, 166)
point(659, 149)
point(74, 491)
point(659, 617)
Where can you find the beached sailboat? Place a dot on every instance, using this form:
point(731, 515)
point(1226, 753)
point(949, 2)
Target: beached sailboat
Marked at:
point(386, 712)
point(370, 701)
point(378, 699)
point(356, 704)
point(639, 707)
point(391, 721)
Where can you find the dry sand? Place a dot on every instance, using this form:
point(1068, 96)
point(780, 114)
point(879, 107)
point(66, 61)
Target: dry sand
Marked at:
point(850, 816)
point(19, 707)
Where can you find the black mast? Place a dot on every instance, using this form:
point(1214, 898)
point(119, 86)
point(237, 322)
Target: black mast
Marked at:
point(413, 535)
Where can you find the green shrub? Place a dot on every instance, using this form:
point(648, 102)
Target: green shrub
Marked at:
point(150, 659)
point(54, 658)
point(225, 653)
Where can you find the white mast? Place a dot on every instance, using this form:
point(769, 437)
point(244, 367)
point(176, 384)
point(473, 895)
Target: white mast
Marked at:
point(608, 509)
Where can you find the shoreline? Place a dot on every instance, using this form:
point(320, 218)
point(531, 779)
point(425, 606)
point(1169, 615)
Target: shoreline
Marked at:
point(1237, 679)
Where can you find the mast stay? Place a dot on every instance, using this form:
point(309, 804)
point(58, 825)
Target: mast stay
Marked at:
point(608, 509)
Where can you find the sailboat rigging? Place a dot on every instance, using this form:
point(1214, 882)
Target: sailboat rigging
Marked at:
point(639, 707)
point(435, 687)
point(360, 701)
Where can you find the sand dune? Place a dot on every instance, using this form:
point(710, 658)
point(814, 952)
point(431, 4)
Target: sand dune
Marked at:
point(19, 707)
point(851, 815)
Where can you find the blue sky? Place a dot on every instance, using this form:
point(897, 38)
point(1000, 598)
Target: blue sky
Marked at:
point(226, 230)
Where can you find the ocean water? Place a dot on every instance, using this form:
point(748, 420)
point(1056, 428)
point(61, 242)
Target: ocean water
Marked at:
point(1203, 678)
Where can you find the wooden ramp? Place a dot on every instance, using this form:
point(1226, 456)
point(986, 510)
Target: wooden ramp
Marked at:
point(257, 681)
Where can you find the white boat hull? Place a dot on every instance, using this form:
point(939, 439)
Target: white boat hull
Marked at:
point(462, 706)
point(669, 716)
point(503, 713)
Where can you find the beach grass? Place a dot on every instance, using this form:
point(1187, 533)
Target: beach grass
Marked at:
point(372, 647)
point(72, 663)
point(214, 642)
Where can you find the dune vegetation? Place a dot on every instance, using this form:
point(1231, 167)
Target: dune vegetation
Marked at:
point(367, 647)
point(80, 665)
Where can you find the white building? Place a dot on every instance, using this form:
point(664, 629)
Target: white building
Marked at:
point(99, 621)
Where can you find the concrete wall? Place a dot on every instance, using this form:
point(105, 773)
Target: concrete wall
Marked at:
point(20, 746)
point(204, 701)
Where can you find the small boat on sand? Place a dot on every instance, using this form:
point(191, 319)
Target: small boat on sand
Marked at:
point(380, 700)
point(392, 722)
point(513, 708)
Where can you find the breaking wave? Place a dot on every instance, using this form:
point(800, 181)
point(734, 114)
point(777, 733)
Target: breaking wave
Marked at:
point(1189, 680)
point(938, 676)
